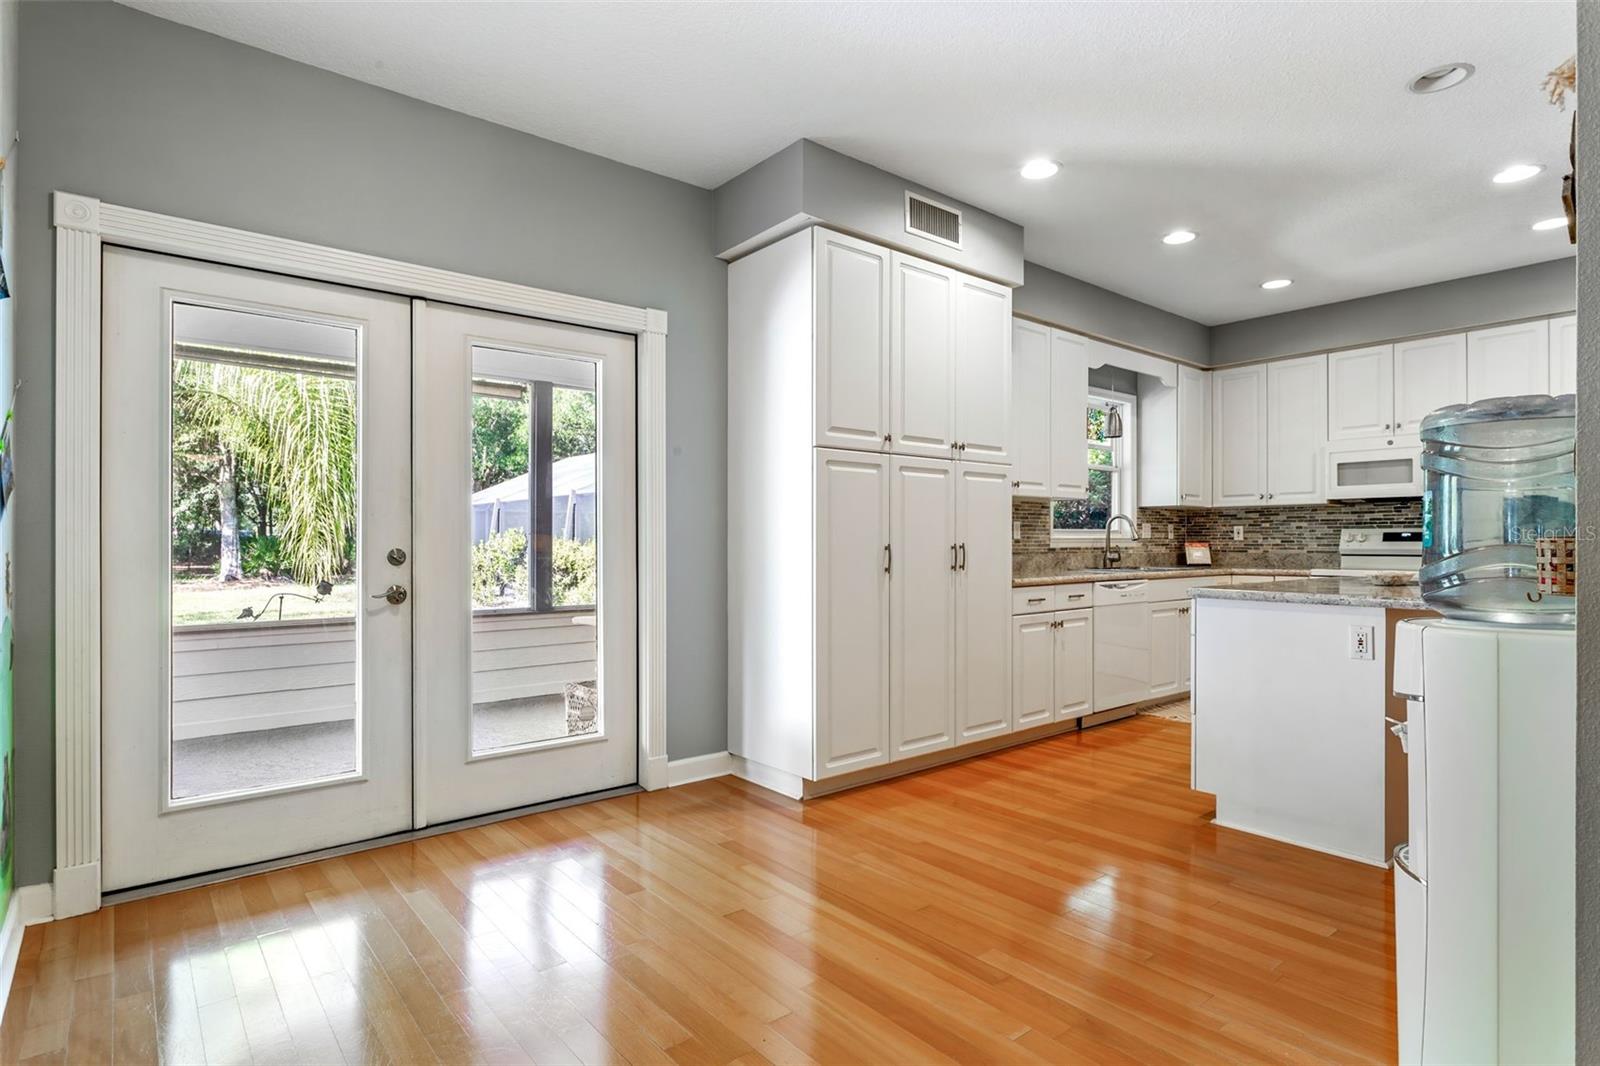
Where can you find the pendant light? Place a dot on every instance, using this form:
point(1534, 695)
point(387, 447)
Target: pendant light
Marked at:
point(1113, 422)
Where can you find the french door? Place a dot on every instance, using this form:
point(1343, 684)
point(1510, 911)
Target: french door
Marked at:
point(368, 565)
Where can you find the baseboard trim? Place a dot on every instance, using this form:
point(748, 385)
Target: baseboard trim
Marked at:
point(698, 768)
point(769, 777)
point(29, 905)
point(34, 904)
point(653, 773)
point(77, 890)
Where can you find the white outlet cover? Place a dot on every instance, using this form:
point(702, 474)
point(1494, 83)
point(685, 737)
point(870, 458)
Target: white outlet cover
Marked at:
point(1238, 532)
point(1016, 530)
point(1361, 638)
point(1144, 531)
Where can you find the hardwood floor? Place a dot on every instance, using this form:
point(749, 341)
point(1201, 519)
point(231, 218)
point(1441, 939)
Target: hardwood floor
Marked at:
point(1062, 902)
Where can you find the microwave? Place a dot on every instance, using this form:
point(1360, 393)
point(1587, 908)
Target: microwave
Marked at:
point(1369, 470)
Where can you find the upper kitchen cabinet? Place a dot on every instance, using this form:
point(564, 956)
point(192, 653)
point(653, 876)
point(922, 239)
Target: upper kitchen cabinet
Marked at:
point(1508, 360)
point(1239, 436)
point(922, 359)
point(852, 342)
point(1429, 373)
point(1050, 391)
point(1175, 440)
point(1563, 355)
point(983, 371)
point(1297, 420)
point(1361, 392)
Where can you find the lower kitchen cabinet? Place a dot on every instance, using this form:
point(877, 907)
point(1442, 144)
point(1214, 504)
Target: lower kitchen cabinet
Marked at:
point(982, 600)
point(1052, 667)
point(1169, 648)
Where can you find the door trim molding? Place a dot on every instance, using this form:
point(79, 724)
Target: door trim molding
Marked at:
point(83, 225)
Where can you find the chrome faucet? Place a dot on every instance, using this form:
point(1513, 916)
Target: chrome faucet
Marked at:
point(1110, 557)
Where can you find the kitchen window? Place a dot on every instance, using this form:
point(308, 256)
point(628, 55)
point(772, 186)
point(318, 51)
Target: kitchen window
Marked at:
point(1111, 477)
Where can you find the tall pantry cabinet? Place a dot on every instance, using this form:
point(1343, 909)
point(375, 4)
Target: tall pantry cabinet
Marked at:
point(869, 508)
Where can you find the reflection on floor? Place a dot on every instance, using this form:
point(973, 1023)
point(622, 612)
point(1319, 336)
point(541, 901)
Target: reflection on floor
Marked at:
point(267, 757)
point(1064, 901)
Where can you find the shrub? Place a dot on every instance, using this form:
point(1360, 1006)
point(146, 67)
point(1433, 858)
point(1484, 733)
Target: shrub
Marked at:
point(572, 566)
point(263, 556)
point(499, 565)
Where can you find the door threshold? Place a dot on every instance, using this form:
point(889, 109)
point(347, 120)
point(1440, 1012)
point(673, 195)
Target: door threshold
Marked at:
point(179, 884)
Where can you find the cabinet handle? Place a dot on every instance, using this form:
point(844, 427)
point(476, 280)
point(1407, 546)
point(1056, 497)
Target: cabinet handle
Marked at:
point(963, 555)
point(953, 566)
point(1031, 599)
point(888, 559)
point(1269, 495)
point(1016, 484)
point(1261, 496)
point(888, 438)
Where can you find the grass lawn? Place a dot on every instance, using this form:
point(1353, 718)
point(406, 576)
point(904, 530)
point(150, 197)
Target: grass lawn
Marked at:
point(204, 600)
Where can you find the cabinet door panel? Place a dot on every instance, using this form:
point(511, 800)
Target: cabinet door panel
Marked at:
point(852, 611)
point(1239, 435)
point(983, 601)
point(1074, 664)
point(922, 345)
point(1297, 420)
point(1508, 361)
point(1069, 402)
point(1168, 634)
point(983, 371)
point(1032, 669)
point(1361, 393)
point(852, 342)
point(1563, 355)
point(1428, 374)
point(1194, 437)
point(1030, 409)
point(922, 630)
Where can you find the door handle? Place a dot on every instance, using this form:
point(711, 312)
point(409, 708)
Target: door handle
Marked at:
point(395, 594)
point(396, 556)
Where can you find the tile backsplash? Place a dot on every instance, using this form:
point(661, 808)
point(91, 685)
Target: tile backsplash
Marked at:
point(1290, 537)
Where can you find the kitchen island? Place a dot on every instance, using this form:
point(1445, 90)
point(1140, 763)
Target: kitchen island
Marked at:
point(1290, 695)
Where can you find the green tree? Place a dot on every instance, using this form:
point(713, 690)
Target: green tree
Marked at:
point(572, 423)
point(499, 440)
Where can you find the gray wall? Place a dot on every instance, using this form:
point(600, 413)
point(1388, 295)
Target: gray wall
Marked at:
point(142, 112)
point(1065, 301)
point(1588, 559)
point(807, 182)
point(1481, 300)
point(8, 193)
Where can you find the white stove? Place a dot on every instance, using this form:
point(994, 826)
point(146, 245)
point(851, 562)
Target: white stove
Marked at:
point(1380, 549)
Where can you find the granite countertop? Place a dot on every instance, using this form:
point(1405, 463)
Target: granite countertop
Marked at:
point(1080, 577)
point(1332, 591)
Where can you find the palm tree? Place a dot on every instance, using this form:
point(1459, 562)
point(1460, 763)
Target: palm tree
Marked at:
point(297, 433)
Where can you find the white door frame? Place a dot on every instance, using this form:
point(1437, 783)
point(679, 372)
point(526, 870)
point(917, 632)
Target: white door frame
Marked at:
point(82, 225)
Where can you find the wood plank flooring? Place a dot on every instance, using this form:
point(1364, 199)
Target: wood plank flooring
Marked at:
point(1062, 902)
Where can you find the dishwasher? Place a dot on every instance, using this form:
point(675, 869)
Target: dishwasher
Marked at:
point(1121, 644)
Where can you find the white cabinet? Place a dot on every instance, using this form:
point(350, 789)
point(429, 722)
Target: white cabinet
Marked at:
point(1030, 408)
point(922, 612)
point(1429, 373)
point(922, 359)
point(1508, 360)
point(1297, 420)
point(1361, 392)
point(851, 309)
point(982, 601)
point(852, 608)
point(1052, 667)
point(1563, 355)
point(1169, 648)
point(1175, 439)
point(983, 371)
point(1239, 435)
point(1074, 665)
point(1069, 402)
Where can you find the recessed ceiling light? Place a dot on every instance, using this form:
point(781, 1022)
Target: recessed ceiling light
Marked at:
point(1439, 79)
point(1277, 283)
point(1039, 169)
point(1517, 172)
point(1178, 236)
point(1559, 222)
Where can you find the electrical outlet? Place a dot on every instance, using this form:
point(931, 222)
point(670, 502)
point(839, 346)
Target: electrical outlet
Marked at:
point(1361, 642)
point(1238, 532)
point(1016, 530)
point(1171, 531)
point(1144, 531)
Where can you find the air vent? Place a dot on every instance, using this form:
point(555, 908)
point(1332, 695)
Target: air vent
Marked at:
point(933, 220)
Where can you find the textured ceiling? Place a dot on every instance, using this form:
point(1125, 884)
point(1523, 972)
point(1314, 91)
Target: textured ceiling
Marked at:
point(1281, 132)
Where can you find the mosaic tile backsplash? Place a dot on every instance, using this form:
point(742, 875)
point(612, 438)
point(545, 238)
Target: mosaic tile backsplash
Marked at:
point(1289, 537)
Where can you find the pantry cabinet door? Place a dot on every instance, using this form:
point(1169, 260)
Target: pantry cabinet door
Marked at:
point(1194, 437)
point(1030, 409)
point(851, 305)
point(1168, 635)
point(1239, 435)
point(922, 594)
point(1361, 392)
point(1033, 642)
point(1429, 373)
point(1074, 664)
point(1069, 405)
point(983, 371)
point(983, 601)
point(1297, 420)
point(1563, 355)
point(1508, 361)
point(922, 358)
point(853, 563)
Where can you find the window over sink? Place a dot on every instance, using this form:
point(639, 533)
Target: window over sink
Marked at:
point(1111, 473)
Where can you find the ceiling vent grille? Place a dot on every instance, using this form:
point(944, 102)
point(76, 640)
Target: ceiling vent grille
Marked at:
point(932, 220)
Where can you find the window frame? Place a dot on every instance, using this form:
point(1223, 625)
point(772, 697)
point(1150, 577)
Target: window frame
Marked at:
point(1124, 478)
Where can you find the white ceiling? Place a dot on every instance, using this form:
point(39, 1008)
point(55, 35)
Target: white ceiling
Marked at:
point(1281, 132)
